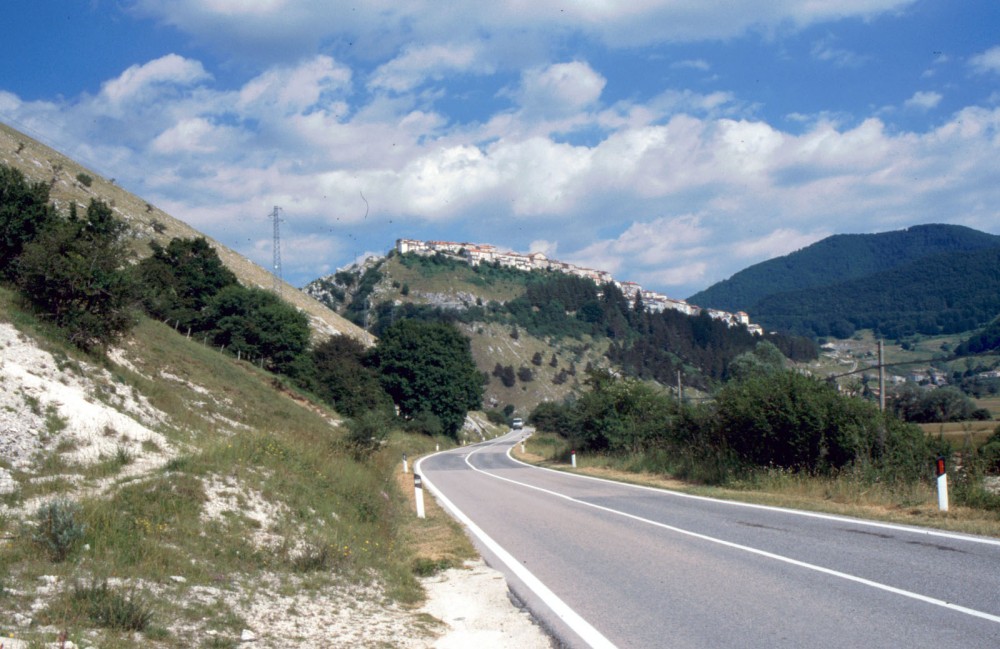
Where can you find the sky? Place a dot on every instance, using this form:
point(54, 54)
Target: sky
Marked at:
point(670, 142)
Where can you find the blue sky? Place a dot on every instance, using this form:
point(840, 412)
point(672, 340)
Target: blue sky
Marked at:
point(671, 142)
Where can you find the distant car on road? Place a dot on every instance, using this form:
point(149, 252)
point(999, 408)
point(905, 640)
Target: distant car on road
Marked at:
point(517, 423)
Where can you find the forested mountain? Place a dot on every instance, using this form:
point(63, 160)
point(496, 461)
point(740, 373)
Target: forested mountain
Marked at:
point(837, 259)
point(940, 294)
point(985, 340)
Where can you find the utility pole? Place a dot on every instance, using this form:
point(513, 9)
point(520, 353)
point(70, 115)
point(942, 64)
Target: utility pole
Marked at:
point(276, 217)
point(881, 376)
point(680, 391)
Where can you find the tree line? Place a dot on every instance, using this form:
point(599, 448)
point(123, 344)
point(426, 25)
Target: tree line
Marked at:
point(765, 417)
point(78, 272)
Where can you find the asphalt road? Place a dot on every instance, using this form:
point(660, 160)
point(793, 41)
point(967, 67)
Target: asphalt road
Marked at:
point(608, 565)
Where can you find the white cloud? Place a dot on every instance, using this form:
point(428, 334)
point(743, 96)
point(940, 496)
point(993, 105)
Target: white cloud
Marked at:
point(676, 189)
point(244, 28)
point(560, 90)
point(139, 82)
point(296, 89)
point(826, 50)
point(245, 7)
point(418, 64)
point(781, 241)
point(692, 64)
point(987, 62)
point(547, 248)
point(923, 100)
point(188, 136)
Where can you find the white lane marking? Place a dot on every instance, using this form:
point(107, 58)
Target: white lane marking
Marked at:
point(745, 548)
point(797, 512)
point(580, 626)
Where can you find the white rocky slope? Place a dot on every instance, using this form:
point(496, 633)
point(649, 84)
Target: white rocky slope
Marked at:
point(80, 411)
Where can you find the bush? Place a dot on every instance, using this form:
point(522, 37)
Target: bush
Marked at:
point(366, 433)
point(506, 374)
point(110, 609)
point(494, 416)
point(426, 423)
point(75, 274)
point(57, 528)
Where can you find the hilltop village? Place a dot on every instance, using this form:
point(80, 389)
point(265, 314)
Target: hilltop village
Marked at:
point(478, 253)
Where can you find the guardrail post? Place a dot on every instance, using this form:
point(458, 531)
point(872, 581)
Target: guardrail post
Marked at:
point(942, 484)
point(418, 494)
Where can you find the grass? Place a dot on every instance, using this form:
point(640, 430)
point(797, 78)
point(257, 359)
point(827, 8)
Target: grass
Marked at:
point(962, 433)
point(845, 495)
point(331, 518)
point(438, 541)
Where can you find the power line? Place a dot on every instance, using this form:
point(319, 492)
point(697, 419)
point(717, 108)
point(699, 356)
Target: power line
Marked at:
point(917, 361)
point(276, 268)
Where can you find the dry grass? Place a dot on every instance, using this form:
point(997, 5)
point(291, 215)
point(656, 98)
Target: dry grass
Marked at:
point(436, 541)
point(39, 163)
point(962, 433)
point(912, 505)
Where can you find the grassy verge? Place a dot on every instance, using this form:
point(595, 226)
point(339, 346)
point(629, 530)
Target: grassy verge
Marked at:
point(256, 495)
point(914, 504)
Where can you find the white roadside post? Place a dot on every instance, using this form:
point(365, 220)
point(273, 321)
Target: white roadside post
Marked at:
point(418, 493)
point(572, 455)
point(406, 467)
point(522, 445)
point(942, 484)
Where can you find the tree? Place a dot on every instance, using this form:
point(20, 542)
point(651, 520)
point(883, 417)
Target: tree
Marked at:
point(506, 374)
point(765, 358)
point(786, 419)
point(620, 415)
point(255, 323)
point(342, 379)
point(920, 405)
point(74, 273)
point(178, 281)
point(24, 213)
point(428, 367)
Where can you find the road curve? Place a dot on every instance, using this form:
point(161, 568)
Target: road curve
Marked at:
point(603, 564)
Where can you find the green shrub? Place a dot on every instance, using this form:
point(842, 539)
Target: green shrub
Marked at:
point(366, 433)
point(426, 423)
point(494, 416)
point(111, 609)
point(85, 179)
point(58, 528)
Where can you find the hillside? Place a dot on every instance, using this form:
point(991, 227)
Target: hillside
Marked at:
point(380, 284)
point(149, 223)
point(940, 294)
point(163, 494)
point(838, 259)
point(210, 509)
point(534, 333)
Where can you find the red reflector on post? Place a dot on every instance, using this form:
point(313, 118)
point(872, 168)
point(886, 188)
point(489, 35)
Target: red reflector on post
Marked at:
point(940, 466)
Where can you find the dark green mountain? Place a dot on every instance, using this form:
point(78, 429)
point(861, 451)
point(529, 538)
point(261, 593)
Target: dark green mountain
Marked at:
point(939, 294)
point(838, 259)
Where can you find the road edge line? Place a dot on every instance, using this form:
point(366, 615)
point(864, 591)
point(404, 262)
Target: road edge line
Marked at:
point(571, 618)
